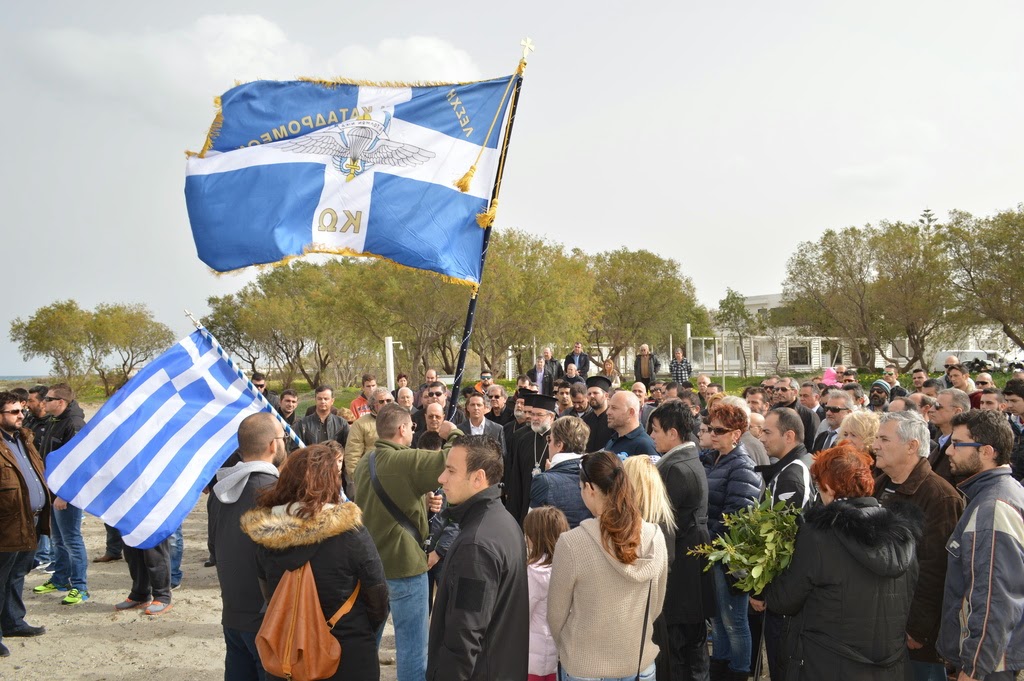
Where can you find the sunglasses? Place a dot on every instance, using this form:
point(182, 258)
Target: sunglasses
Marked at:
point(435, 394)
point(888, 373)
point(51, 399)
point(584, 478)
point(485, 378)
point(261, 386)
point(836, 410)
point(12, 412)
point(982, 383)
point(720, 431)
point(949, 366)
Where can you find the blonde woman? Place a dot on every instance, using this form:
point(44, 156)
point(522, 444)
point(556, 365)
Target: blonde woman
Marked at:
point(609, 371)
point(607, 581)
point(859, 429)
point(651, 497)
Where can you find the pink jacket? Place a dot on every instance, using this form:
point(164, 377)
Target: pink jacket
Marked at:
point(543, 655)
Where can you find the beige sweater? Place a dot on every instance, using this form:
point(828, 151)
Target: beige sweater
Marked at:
point(596, 604)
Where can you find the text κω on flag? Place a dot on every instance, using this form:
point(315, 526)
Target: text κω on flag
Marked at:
point(142, 461)
point(355, 169)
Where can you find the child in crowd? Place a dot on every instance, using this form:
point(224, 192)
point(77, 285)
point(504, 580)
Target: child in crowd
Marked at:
point(542, 527)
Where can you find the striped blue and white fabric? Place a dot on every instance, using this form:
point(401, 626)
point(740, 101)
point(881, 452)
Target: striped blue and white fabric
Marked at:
point(142, 461)
point(303, 166)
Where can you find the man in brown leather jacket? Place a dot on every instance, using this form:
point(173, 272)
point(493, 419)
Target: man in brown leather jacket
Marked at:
point(25, 506)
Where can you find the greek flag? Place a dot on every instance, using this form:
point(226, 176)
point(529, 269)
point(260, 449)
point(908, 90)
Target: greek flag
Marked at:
point(141, 463)
point(324, 167)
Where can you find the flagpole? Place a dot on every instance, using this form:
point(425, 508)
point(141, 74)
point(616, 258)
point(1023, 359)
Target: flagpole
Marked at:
point(288, 431)
point(467, 333)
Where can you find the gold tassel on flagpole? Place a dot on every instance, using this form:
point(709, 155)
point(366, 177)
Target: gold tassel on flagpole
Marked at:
point(486, 219)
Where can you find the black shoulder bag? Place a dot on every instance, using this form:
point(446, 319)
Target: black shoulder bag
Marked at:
point(643, 634)
point(396, 513)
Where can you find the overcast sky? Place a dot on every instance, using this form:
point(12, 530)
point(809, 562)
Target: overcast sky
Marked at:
point(718, 134)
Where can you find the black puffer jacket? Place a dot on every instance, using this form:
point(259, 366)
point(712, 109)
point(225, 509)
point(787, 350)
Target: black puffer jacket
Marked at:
point(849, 590)
point(340, 553)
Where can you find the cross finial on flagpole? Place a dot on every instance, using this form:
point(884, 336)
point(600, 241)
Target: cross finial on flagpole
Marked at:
point(527, 46)
point(194, 320)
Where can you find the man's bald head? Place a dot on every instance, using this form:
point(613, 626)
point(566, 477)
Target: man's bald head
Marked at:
point(255, 433)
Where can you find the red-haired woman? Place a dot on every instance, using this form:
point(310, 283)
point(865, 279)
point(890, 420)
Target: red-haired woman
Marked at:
point(607, 581)
point(732, 486)
point(301, 519)
point(852, 578)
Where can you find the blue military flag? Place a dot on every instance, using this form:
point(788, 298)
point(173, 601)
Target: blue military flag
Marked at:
point(354, 169)
point(141, 463)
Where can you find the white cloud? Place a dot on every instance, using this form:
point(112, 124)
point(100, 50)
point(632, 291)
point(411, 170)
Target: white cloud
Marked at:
point(170, 75)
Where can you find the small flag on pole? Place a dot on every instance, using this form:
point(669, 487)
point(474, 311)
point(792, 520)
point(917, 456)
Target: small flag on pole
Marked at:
point(141, 463)
point(400, 172)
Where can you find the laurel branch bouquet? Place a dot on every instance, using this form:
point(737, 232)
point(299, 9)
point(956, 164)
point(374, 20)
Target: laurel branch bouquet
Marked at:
point(757, 546)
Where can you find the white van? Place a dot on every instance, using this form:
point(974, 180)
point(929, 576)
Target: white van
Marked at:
point(996, 360)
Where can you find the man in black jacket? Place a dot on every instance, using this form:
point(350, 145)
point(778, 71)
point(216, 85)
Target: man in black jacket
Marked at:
point(261, 445)
point(71, 563)
point(689, 594)
point(480, 628)
point(789, 480)
point(322, 425)
point(786, 396)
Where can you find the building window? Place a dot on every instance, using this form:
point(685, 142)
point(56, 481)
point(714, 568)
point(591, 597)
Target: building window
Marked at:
point(800, 355)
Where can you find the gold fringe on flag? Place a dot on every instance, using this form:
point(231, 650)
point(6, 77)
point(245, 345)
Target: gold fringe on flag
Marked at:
point(311, 249)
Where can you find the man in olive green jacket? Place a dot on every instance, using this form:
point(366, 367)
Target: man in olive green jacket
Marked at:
point(405, 476)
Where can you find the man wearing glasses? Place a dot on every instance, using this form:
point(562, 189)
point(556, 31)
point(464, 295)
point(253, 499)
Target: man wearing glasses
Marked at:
point(362, 436)
point(25, 507)
point(436, 393)
point(65, 419)
point(786, 396)
point(259, 381)
point(950, 403)
point(497, 399)
point(891, 376)
point(838, 405)
point(951, 362)
point(982, 624)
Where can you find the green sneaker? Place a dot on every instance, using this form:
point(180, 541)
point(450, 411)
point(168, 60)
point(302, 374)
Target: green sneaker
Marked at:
point(48, 587)
point(75, 597)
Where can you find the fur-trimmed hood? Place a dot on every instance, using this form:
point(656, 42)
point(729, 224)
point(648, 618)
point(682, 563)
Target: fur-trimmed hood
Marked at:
point(278, 530)
point(880, 539)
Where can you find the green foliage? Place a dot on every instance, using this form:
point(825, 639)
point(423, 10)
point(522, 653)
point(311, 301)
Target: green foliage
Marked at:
point(60, 333)
point(529, 278)
point(758, 545)
point(643, 297)
point(882, 284)
point(733, 316)
point(985, 270)
point(123, 338)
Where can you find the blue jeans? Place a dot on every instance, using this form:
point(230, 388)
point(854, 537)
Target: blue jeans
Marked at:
point(645, 675)
point(69, 548)
point(177, 551)
point(408, 598)
point(928, 671)
point(44, 552)
point(730, 631)
point(242, 660)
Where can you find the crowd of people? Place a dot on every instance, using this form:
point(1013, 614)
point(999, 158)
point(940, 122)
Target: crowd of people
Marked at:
point(549, 533)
